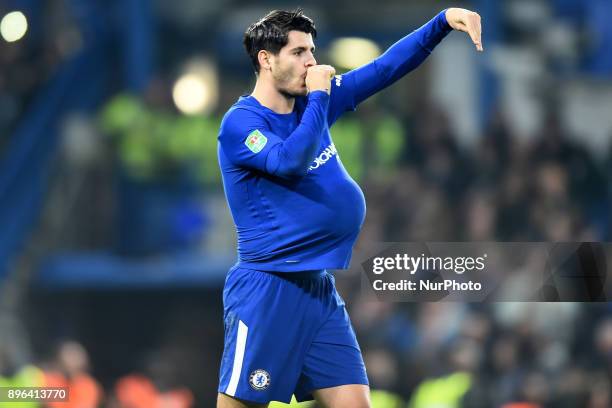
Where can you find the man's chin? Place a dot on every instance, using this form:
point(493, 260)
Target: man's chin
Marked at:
point(295, 93)
point(304, 90)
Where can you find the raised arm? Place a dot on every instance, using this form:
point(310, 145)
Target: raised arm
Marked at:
point(401, 58)
point(247, 140)
point(293, 157)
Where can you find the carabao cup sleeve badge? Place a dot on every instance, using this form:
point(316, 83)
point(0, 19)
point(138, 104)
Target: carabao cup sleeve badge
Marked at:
point(256, 141)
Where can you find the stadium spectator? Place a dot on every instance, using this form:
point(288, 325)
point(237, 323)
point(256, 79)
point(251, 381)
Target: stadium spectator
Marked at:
point(71, 370)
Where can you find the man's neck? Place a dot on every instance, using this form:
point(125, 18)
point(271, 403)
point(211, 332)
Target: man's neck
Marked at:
point(268, 96)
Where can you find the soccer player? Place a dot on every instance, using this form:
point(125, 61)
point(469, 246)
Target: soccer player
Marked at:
point(298, 213)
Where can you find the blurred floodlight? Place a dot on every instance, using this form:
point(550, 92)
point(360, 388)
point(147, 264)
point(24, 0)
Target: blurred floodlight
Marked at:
point(196, 90)
point(13, 26)
point(353, 52)
point(190, 94)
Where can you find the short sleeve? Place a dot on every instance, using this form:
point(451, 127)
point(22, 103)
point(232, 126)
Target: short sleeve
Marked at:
point(246, 138)
point(342, 97)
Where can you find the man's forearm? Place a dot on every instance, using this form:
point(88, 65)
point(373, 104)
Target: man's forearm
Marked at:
point(296, 153)
point(401, 58)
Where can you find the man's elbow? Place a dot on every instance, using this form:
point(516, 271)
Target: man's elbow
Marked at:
point(289, 164)
point(291, 170)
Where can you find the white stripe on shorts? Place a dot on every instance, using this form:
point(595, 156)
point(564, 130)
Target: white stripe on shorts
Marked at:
point(243, 330)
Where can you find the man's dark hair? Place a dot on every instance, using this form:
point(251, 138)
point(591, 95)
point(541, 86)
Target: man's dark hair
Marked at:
point(271, 33)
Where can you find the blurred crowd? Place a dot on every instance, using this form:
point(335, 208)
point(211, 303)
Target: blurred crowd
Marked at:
point(466, 355)
point(69, 369)
point(547, 188)
point(28, 64)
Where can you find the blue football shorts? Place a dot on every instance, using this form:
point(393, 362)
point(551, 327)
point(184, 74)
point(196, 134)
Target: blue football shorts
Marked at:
point(286, 333)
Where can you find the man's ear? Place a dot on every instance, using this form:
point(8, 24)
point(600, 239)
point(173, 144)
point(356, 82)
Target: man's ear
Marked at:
point(263, 57)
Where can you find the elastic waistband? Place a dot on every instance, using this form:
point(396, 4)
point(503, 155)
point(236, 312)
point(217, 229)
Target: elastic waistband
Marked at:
point(300, 275)
point(316, 273)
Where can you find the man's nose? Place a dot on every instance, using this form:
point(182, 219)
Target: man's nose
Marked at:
point(311, 62)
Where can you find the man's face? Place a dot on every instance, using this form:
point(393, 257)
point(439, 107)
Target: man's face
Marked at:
point(289, 67)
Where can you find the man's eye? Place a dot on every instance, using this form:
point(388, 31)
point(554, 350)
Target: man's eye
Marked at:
point(297, 53)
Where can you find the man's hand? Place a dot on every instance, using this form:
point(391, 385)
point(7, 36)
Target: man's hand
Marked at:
point(467, 21)
point(318, 78)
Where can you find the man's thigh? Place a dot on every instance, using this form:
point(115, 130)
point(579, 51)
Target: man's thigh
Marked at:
point(270, 322)
point(334, 357)
point(224, 401)
point(344, 396)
